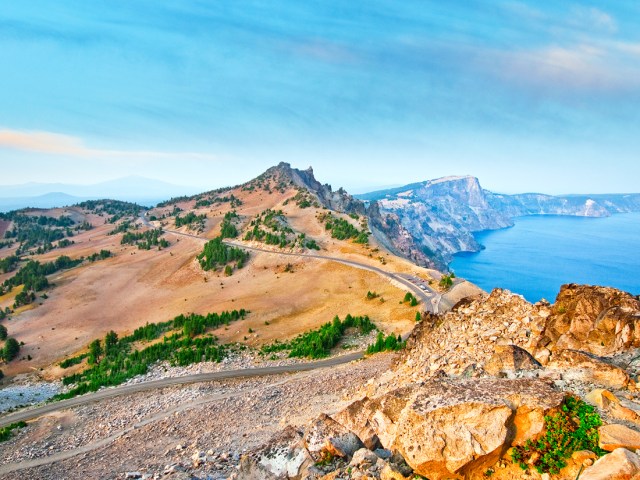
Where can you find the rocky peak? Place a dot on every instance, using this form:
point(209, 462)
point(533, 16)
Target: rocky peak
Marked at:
point(339, 200)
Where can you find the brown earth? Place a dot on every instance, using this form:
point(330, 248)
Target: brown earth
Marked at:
point(4, 226)
point(136, 286)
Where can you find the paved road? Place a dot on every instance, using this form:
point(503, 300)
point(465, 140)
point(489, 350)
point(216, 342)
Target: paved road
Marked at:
point(172, 381)
point(429, 297)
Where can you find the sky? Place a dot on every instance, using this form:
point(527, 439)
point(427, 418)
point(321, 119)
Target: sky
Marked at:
point(526, 95)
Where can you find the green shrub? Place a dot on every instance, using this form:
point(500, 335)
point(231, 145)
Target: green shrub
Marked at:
point(69, 362)
point(145, 240)
point(312, 245)
point(5, 432)
point(11, 349)
point(189, 219)
point(447, 280)
point(410, 297)
point(227, 228)
point(341, 229)
point(318, 343)
point(118, 361)
point(574, 427)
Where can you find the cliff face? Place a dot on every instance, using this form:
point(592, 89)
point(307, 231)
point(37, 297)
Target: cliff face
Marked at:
point(441, 215)
point(386, 226)
point(579, 205)
point(340, 200)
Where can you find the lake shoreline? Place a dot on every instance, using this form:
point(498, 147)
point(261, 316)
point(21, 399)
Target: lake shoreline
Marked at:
point(541, 252)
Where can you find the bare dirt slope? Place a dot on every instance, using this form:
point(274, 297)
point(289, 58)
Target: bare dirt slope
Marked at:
point(285, 295)
point(108, 439)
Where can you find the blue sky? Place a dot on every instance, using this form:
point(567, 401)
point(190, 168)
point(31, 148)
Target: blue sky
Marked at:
point(528, 96)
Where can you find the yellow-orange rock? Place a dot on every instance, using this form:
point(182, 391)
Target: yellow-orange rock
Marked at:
point(618, 436)
point(589, 368)
point(621, 464)
point(446, 427)
point(510, 358)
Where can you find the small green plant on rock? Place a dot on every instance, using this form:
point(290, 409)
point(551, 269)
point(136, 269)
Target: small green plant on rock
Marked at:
point(574, 427)
point(326, 458)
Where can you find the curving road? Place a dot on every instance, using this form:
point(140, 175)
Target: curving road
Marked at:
point(430, 298)
point(172, 381)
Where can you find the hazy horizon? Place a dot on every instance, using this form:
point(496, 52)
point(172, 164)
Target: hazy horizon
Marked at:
point(526, 97)
point(42, 188)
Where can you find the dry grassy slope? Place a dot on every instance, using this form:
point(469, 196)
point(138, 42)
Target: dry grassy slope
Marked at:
point(4, 226)
point(136, 286)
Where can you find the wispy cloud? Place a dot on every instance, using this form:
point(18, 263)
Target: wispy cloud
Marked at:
point(65, 145)
point(580, 67)
point(591, 17)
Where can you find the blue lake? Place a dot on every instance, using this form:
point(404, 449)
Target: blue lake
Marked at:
point(540, 253)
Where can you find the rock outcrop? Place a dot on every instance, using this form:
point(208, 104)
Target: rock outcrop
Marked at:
point(326, 438)
point(338, 200)
point(386, 227)
point(443, 428)
point(616, 436)
point(478, 383)
point(621, 464)
point(599, 320)
point(285, 456)
point(589, 368)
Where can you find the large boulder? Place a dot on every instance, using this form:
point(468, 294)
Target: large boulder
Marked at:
point(326, 437)
point(599, 320)
point(284, 456)
point(587, 367)
point(375, 420)
point(510, 359)
point(621, 464)
point(615, 436)
point(444, 428)
point(619, 408)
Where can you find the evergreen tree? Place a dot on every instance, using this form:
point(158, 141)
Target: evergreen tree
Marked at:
point(95, 350)
point(11, 349)
point(110, 341)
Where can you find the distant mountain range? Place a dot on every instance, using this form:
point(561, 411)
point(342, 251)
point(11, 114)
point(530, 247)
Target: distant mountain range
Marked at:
point(137, 189)
point(441, 215)
point(427, 222)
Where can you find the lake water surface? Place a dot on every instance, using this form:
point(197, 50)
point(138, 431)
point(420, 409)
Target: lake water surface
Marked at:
point(540, 253)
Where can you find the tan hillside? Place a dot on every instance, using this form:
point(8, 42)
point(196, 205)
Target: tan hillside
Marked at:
point(134, 287)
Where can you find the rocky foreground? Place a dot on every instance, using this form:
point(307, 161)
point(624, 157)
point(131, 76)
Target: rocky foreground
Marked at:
point(496, 388)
